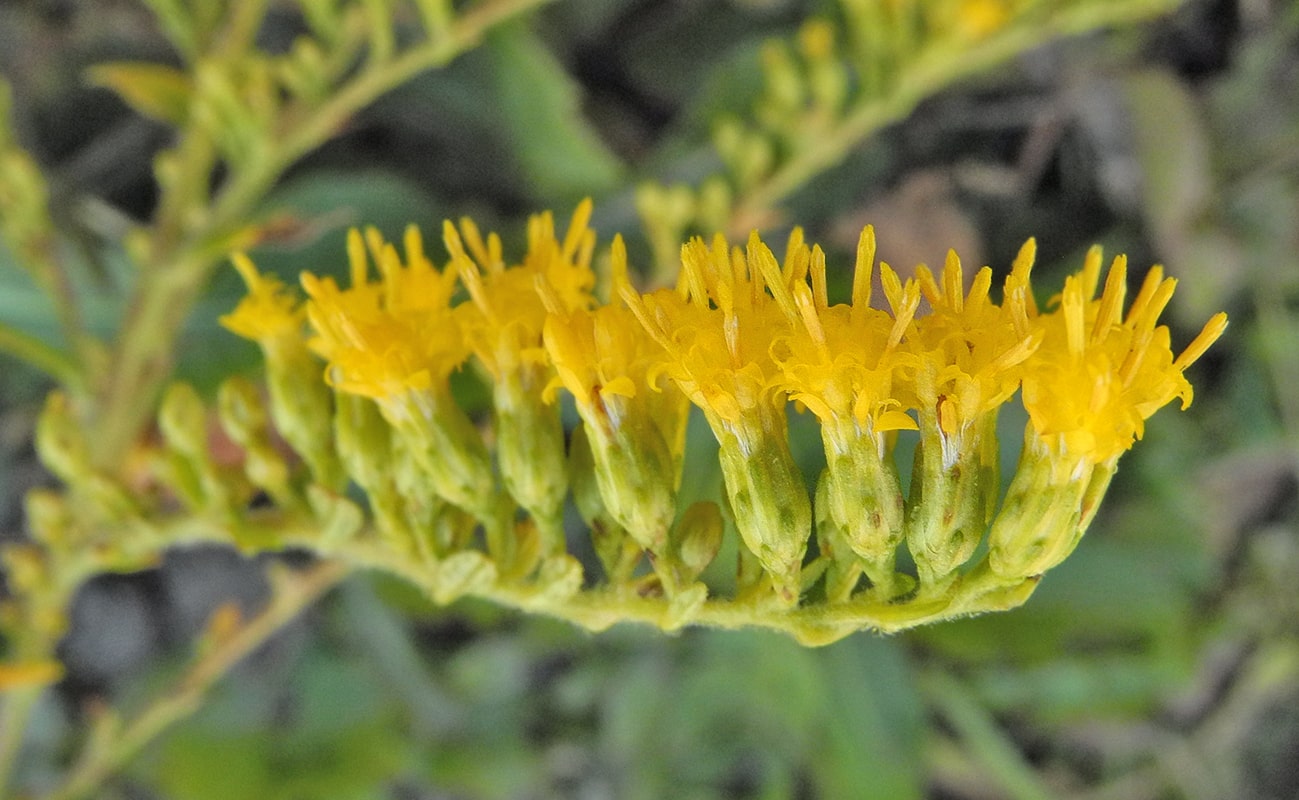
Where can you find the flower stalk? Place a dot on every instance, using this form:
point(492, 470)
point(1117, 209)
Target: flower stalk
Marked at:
point(459, 506)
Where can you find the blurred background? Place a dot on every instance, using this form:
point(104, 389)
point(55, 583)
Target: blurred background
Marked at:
point(1160, 661)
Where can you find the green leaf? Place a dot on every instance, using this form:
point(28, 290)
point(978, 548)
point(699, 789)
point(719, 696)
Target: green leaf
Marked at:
point(97, 285)
point(684, 719)
point(873, 724)
point(560, 154)
point(338, 736)
point(155, 90)
point(1181, 192)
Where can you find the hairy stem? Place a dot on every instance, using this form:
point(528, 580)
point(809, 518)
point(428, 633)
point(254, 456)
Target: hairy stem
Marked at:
point(176, 274)
point(923, 80)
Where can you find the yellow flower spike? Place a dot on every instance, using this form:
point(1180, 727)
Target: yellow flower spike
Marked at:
point(636, 432)
point(300, 405)
point(716, 332)
point(504, 323)
point(741, 335)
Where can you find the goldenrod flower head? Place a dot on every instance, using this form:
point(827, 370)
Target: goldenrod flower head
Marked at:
point(384, 339)
point(716, 332)
point(503, 322)
point(604, 359)
point(969, 350)
point(269, 310)
point(1099, 374)
point(635, 431)
point(840, 361)
point(716, 329)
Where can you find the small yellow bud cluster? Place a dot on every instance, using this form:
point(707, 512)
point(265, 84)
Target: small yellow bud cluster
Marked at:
point(741, 336)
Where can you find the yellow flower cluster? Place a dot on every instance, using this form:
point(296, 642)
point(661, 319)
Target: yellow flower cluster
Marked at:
point(741, 336)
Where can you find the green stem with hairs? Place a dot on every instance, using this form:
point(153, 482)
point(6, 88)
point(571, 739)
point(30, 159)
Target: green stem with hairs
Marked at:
point(920, 80)
point(177, 271)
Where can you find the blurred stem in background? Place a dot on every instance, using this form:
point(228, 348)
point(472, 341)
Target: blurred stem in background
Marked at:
point(836, 86)
point(247, 114)
point(113, 741)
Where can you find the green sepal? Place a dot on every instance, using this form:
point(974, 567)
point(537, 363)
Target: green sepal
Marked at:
point(244, 419)
point(1046, 511)
point(618, 552)
point(768, 500)
point(530, 451)
point(302, 407)
point(948, 510)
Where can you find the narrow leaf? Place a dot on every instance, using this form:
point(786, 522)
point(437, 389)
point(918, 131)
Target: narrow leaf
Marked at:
point(558, 151)
point(154, 90)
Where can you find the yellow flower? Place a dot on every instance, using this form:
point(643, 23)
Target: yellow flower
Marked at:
point(1100, 374)
point(301, 407)
point(397, 341)
point(968, 350)
point(840, 361)
point(268, 312)
point(504, 320)
point(603, 358)
point(716, 331)
point(503, 324)
point(1089, 388)
point(383, 340)
point(636, 431)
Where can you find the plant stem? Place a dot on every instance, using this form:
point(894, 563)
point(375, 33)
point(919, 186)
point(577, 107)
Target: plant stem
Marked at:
point(56, 363)
point(171, 283)
point(106, 754)
point(925, 79)
point(603, 606)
